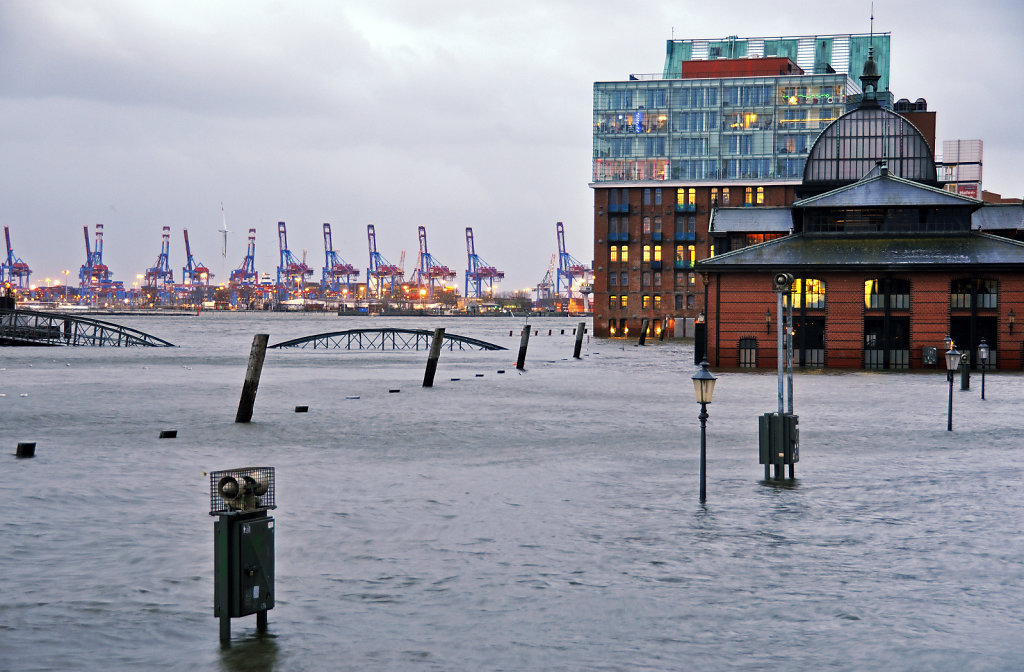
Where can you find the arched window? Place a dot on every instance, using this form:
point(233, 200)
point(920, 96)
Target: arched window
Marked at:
point(808, 293)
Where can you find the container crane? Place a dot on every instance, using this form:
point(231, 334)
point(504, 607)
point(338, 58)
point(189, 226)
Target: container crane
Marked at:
point(336, 270)
point(478, 273)
point(194, 273)
point(160, 274)
point(246, 274)
point(14, 270)
point(381, 272)
point(569, 268)
point(544, 292)
point(291, 273)
point(428, 271)
point(94, 276)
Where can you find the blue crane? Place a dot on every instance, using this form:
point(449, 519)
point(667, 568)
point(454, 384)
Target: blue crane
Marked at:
point(429, 273)
point(381, 272)
point(13, 270)
point(569, 268)
point(193, 272)
point(479, 274)
point(336, 270)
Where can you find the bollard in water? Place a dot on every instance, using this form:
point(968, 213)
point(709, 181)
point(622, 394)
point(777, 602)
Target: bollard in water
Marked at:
point(252, 377)
point(302, 409)
point(664, 328)
point(524, 341)
point(643, 330)
point(169, 434)
point(435, 352)
point(26, 449)
point(579, 340)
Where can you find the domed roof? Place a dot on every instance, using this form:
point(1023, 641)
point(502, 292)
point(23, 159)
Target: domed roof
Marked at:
point(852, 145)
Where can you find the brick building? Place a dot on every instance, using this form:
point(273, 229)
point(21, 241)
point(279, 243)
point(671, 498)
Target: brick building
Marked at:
point(886, 263)
point(727, 123)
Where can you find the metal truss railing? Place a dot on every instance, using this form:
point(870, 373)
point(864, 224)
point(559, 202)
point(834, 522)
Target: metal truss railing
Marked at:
point(384, 339)
point(29, 327)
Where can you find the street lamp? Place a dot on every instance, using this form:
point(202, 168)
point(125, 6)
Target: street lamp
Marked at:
point(703, 388)
point(952, 362)
point(983, 357)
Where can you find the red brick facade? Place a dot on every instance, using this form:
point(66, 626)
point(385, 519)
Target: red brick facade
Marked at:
point(669, 287)
point(738, 302)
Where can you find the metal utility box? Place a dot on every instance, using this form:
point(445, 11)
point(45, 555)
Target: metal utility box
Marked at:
point(779, 438)
point(243, 561)
point(243, 545)
point(929, 355)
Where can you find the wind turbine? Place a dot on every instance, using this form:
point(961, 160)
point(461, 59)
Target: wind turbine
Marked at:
point(224, 241)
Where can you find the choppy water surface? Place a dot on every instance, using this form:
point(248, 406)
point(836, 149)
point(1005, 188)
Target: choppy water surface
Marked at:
point(543, 521)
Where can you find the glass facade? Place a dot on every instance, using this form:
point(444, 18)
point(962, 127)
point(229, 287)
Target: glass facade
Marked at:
point(850, 148)
point(694, 130)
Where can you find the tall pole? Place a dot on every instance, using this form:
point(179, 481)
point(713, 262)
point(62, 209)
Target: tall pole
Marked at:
point(778, 328)
point(789, 354)
point(983, 362)
point(703, 450)
point(949, 415)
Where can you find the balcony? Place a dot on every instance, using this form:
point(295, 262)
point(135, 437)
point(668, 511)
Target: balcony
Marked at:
point(656, 237)
point(622, 237)
point(655, 265)
point(685, 236)
point(682, 265)
point(686, 207)
point(618, 208)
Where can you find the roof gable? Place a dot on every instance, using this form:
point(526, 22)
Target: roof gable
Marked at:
point(885, 190)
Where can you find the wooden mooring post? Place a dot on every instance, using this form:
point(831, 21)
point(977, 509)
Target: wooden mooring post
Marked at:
point(435, 352)
point(645, 324)
point(524, 341)
point(252, 377)
point(579, 339)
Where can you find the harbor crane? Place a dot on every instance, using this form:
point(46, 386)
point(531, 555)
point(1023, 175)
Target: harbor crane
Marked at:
point(382, 273)
point(94, 276)
point(193, 272)
point(480, 276)
point(160, 273)
point(291, 273)
point(429, 272)
point(14, 270)
point(246, 274)
point(570, 269)
point(544, 292)
point(336, 270)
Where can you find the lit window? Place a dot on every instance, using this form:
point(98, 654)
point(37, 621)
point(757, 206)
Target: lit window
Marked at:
point(691, 279)
point(624, 300)
point(647, 253)
point(657, 301)
point(714, 196)
point(647, 224)
point(613, 253)
point(624, 253)
point(613, 301)
point(691, 196)
point(711, 251)
point(680, 253)
point(748, 196)
point(725, 195)
point(646, 302)
point(808, 292)
point(691, 254)
point(760, 195)
point(657, 252)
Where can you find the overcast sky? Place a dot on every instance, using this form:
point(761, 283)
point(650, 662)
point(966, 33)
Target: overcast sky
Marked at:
point(399, 113)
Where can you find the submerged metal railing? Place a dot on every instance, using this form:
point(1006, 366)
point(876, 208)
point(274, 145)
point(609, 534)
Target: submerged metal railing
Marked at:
point(384, 339)
point(29, 327)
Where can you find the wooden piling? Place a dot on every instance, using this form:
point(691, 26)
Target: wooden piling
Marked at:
point(26, 449)
point(579, 340)
point(644, 325)
point(524, 341)
point(252, 377)
point(435, 352)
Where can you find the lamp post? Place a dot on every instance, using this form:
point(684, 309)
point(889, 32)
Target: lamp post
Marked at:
point(704, 387)
point(952, 362)
point(983, 358)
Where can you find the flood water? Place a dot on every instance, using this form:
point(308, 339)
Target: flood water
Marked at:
point(547, 520)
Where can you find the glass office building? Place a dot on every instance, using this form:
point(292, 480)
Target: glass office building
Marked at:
point(727, 120)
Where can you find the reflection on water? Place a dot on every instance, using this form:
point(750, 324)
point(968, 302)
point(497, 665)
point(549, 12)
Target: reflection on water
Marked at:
point(548, 520)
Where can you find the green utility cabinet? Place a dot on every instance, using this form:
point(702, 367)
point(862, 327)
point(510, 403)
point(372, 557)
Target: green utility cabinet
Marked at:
point(779, 439)
point(243, 545)
point(244, 565)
